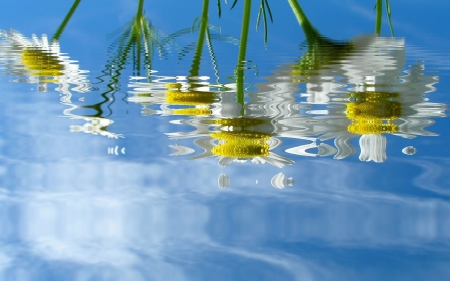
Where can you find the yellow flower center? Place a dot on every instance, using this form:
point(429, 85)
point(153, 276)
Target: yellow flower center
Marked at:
point(191, 98)
point(173, 85)
point(372, 113)
point(42, 63)
point(373, 96)
point(192, 111)
point(241, 144)
point(239, 122)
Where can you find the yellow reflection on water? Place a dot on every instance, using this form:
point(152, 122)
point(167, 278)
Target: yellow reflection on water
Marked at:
point(372, 113)
point(358, 89)
point(41, 63)
point(241, 144)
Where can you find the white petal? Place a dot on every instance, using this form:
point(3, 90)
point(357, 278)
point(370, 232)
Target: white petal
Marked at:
point(373, 148)
point(280, 181)
point(225, 161)
point(181, 150)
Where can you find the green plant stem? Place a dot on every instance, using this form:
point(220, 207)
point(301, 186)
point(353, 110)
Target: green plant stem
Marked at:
point(310, 32)
point(65, 21)
point(242, 54)
point(137, 30)
point(379, 16)
point(140, 9)
point(195, 68)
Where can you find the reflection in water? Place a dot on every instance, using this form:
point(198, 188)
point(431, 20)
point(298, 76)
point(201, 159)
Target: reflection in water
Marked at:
point(137, 41)
point(358, 88)
point(150, 218)
point(409, 150)
point(368, 93)
point(280, 181)
point(364, 92)
point(95, 124)
point(39, 62)
point(218, 133)
point(223, 181)
point(362, 80)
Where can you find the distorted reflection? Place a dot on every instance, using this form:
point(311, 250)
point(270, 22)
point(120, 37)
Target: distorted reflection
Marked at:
point(95, 124)
point(280, 181)
point(40, 62)
point(368, 93)
point(365, 92)
point(409, 150)
point(360, 89)
point(137, 41)
point(223, 181)
point(231, 139)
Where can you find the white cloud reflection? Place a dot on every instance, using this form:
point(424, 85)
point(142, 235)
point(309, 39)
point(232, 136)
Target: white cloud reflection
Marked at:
point(143, 223)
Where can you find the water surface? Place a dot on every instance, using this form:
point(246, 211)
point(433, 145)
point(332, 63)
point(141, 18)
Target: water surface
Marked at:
point(309, 158)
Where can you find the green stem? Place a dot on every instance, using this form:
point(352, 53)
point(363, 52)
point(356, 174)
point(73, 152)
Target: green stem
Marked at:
point(195, 68)
point(137, 33)
point(140, 9)
point(379, 17)
point(310, 32)
point(65, 21)
point(148, 59)
point(242, 53)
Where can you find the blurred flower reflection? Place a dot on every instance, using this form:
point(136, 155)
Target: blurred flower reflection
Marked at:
point(364, 92)
point(368, 93)
point(136, 41)
point(232, 139)
point(39, 62)
point(362, 85)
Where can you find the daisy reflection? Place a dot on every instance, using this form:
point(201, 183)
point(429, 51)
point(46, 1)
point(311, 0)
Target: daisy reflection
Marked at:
point(95, 126)
point(194, 98)
point(36, 60)
point(360, 89)
point(41, 62)
point(219, 130)
point(240, 140)
point(369, 94)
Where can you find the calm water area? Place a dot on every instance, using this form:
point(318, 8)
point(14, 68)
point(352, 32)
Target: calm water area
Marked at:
point(158, 141)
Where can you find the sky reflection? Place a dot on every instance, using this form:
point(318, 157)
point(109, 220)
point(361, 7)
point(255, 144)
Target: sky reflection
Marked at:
point(137, 224)
point(140, 165)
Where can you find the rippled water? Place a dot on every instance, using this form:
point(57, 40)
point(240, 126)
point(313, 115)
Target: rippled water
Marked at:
point(308, 158)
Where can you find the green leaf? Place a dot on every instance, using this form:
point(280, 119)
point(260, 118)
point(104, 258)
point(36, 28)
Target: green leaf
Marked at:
point(258, 18)
point(388, 10)
point(194, 23)
point(263, 11)
point(234, 3)
point(268, 9)
point(266, 31)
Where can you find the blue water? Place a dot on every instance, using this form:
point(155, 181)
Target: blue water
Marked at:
point(101, 178)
